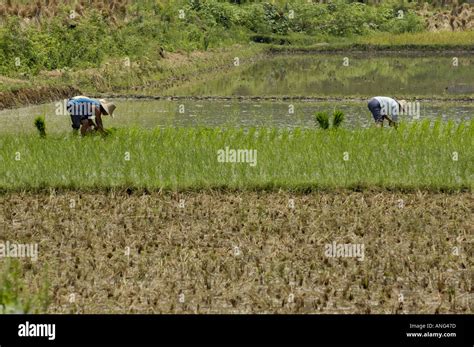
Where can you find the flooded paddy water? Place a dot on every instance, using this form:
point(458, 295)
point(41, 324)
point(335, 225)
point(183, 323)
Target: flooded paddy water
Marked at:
point(344, 75)
point(286, 91)
point(224, 113)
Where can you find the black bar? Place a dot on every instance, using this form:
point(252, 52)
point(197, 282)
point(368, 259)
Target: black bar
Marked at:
point(225, 329)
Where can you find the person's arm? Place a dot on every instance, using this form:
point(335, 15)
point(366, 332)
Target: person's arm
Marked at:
point(98, 120)
point(392, 119)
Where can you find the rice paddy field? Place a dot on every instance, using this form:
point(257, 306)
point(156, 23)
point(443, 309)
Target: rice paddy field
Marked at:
point(215, 189)
point(242, 252)
point(240, 219)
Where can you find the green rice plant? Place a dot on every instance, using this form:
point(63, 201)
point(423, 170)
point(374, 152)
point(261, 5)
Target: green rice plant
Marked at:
point(414, 157)
point(322, 119)
point(436, 127)
point(338, 118)
point(40, 124)
point(109, 131)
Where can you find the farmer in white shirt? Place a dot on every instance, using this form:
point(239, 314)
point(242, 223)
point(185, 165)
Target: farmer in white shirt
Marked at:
point(383, 107)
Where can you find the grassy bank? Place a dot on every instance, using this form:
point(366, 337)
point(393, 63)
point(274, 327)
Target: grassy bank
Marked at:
point(380, 42)
point(35, 95)
point(434, 39)
point(126, 45)
point(125, 74)
point(415, 156)
point(117, 77)
point(244, 252)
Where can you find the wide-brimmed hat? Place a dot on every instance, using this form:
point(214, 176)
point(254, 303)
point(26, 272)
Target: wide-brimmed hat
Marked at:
point(108, 107)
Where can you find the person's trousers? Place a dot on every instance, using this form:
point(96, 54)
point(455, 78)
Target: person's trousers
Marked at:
point(376, 109)
point(76, 120)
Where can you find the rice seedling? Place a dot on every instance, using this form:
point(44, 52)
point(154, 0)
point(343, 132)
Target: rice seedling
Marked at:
point(414, 157)
point(338, 118)
point(322, 119)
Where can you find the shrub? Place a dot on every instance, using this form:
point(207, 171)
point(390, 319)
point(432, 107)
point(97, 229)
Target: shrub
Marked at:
point(409, 23)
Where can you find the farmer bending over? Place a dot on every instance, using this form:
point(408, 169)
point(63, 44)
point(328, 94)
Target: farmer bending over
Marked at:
point(383, 107)
point(85, 110)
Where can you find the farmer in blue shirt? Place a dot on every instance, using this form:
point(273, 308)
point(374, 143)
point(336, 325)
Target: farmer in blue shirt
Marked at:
point(383, 107)
point(84, 111)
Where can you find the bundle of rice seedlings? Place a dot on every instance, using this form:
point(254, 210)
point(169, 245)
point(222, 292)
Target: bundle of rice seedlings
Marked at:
point(338, 118)
point(322, 119)
point(40, 124)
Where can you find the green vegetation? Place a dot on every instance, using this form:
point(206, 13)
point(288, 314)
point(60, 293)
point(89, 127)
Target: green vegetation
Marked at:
point(130, 45)
point(382, 41)
point(40, 126)
point(141, 75)
point(338, 118)
point(140, 30)
point(14, 294)
point(429, 39)
point(189, 47)
point(415, 156)
point(322, 119)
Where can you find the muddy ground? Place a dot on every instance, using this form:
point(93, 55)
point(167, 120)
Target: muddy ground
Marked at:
point(240, 252)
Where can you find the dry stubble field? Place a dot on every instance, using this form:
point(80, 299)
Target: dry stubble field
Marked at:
point(242, 252)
